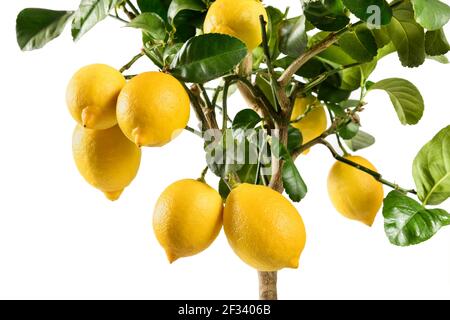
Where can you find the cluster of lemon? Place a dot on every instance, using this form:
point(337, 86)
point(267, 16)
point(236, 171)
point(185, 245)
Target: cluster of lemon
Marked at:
point(115, 118)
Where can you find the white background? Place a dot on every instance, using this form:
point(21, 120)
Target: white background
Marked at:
point(60, 238)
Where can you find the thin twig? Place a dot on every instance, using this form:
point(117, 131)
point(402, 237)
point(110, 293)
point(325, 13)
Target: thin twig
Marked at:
point(132, 61)
point(192, 130)
point(206, 97)
point(118, 18)
point(133, 8)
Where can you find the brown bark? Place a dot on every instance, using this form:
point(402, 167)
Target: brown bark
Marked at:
point(267, 285)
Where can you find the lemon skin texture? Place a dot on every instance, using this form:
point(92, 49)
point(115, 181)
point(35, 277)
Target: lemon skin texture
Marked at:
point(354, 193)
point(91, 96)
point(187, 218)
point(239, 19)
point(263, 228)
point(106, 159)
point(314, 123)
point(152, 109)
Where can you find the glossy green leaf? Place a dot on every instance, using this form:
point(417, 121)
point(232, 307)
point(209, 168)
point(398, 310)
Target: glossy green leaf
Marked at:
point(407, 36)
point(245, 119)
point(405, 97)
point(431, 14)
point(180, 7)
point(360, 44)
point(327, 15)
point(330, 93)
point(360, 141)
point(160, 7)
point(293, 182)
point(349, 131)
point(295, 139)
point(89, 13)
point(170, 52)
point(436, 43)
point(151, 23)
point(275, 17)
point(292, 34)
point(431, 169)
point(406, 222)
point(207, 57)
point(36, 27)
point(263, 83)
point(374, 12)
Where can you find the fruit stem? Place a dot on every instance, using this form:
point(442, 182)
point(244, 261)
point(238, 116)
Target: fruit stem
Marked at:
point(267, 285)
point(132, 61)
point(203, 175)
point(377, 176)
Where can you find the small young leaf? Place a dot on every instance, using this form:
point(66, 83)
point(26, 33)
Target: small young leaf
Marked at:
point(431, 169)
point(207, 57)
point(407, 35)
point(36, 27)
point(264, 85)
point(360, 141)
point(326, 15)
point(431, 14)
point(89, 13)
point(405, 97)
point(407, 223)
point(151, 24)
point(440, 59)
point(375, 12)
point(292, 34)
point(349, 131)
point(436, 43)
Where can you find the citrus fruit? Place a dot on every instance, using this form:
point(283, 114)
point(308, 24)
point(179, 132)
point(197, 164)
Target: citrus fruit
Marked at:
point(263, 228)
point(187, 218)
point(152, 109)
point(354, 193)
point(91, 96)
point(314, 123)
point(106, 159)
point(239, 19)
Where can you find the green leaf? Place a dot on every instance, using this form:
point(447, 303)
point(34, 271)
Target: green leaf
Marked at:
point(330, 93)
point(292, 180)
point(293, 39)
point(407, 36)
point(275, 17)
point(349, 131)
point(36, 27)
point(436, 43)
point(295, 139)
point(160, 7)
point(170, 52)
point(440, 59)
point(431, 14)
point(89, 13)
point(374, 12)
point(183, 7)
point(405, 97)
point(407, 223)
point(360, 44)
point(360, 141)
point(327, 15)
point(245, 119)
point(207, 57)
point(151, 24)
point(264, 85)
point(431, 169)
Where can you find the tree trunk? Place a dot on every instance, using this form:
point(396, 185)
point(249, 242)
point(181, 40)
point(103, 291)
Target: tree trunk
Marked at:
point(267, 285)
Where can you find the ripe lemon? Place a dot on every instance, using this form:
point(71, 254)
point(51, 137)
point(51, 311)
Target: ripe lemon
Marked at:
point(354, 193)
point(314, 123)
point(152, 109)
point(91, 96)
point(106, 159)
point(263, 228)
point(239, 19)
point(187, 218)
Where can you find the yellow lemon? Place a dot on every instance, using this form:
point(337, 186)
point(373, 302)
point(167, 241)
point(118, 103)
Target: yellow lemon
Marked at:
point(91, 96)
point(239, 19)
point(263, 228)
point(106, 159)
point(152, 109)
point(187, 218)
point(314, 123)
point(354, 193)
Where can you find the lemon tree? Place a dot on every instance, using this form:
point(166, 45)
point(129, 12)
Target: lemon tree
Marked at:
point(305, 77)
